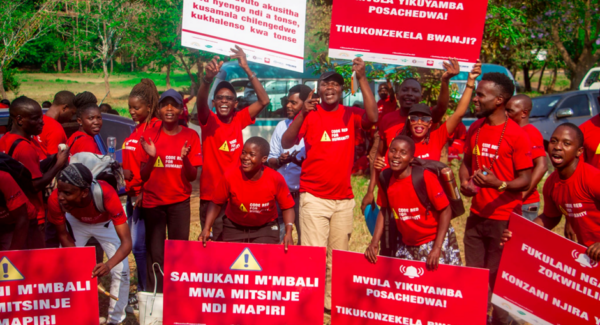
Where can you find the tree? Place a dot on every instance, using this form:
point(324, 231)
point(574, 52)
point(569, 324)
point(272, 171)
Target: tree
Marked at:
point(20, 23)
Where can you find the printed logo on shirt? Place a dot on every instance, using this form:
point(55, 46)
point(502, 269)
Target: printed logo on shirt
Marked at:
point(260, 207)
point(485, 150)
point(598, 150)
point(243, 208)
point(424, 156)
point(569, 210)
point(408, 214)
point(325, 137)
point(232, 146)
point(158, 163)
point(224, 147)
point(130, 145)
point(336, 135)
point(395, 215)
point(476, 151)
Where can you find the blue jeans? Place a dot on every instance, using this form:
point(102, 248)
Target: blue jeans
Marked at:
point(530, 211)
point(138, 236)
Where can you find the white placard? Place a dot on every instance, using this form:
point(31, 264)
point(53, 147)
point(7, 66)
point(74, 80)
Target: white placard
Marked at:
point(271, 32)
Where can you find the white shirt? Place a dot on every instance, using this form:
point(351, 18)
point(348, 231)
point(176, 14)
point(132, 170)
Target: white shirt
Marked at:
point(290, 171)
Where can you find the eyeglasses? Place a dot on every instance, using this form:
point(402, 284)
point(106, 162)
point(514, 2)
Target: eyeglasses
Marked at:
point(415, 118)
point(225, 97)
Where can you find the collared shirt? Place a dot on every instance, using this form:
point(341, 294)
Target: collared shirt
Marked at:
point(290, 171)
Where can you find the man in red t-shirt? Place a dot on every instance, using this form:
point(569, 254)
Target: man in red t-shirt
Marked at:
point(222, 132)
point(361, 162)
point(27, 122)
point(61, 111)
point(518, 109)
point(591, 140)
point(386, 104)
point(571, 190)
point(495, 171)
point(409, 94)
point(327, 127)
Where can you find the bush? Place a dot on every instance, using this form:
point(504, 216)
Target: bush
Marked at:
point(10, 80)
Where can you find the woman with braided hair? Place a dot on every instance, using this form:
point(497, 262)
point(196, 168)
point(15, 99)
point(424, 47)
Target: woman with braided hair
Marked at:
point(143, 107)
point(89, 118)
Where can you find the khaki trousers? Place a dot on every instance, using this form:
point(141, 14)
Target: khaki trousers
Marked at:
point(326, 223)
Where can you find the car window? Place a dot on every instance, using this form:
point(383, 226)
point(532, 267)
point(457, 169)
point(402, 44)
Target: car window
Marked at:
point(592, 78)
point(115, 129)
point(579, 104)
point(277, 91)
point(542, 106)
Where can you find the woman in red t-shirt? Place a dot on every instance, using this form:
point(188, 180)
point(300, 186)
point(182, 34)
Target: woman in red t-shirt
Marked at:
point(571, 190)
point(251, 192)
point(427, 235)
point(89, 118)
point(429, 143)
point(143, 108)
point(169, 162)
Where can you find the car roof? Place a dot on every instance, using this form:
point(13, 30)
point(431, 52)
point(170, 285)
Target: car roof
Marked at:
point(572, 92)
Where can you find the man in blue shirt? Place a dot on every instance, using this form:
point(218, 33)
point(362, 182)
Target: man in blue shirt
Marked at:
point(288, 162)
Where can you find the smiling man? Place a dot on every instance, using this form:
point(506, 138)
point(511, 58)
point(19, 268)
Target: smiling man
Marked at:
point(222, 131)
point(495, 171)
point(328, 130)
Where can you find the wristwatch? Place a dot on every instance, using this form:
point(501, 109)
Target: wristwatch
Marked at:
point(502, 187)
point(470, 86)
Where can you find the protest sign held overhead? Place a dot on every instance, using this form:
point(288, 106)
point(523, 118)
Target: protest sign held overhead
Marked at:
point(270, 31)
point(545, 278)
point(403, 292)
point(234, 283)
point(421, 33)
point(48, 287)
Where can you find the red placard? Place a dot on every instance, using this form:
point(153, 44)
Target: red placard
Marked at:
point(48, 287)
point(234, 283)
point(403, 292)
point(545, 278)
point(420, 33)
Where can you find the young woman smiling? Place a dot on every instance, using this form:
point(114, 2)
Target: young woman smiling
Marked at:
point(89, 118)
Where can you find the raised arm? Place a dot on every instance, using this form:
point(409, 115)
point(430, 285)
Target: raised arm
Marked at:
point(358, 66)
point(263, 99)
point(452, 69)
point(212, 69)
point(461, 109)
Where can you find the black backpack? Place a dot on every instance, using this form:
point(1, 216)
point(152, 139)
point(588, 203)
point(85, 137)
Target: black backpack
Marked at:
point(19, 173)
point(392, 236)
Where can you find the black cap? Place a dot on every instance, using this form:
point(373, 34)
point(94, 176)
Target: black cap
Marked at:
point(224, 84)
point(173, 94)
point(332, 75)
point(420, 108)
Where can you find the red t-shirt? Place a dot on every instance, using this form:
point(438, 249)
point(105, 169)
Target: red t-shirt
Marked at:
point(89, 214)
point(167, 183)
point(433, 149)
point(386, 106)
point(514, 154)
point(130, 162)
point(591, 141)
point(84, 143)
point(390, 126)
point(537, 150)
point(329, 142)
point(52, 135)
point(29, 153)
point(578, 198)
point(416, 227)
point(222, 145)
point(457, 146)
point(14, 197)
point(253, 203)
point(361, 163)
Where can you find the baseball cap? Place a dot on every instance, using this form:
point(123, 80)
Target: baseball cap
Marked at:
point(173, 94)
point(332, 75)
point(420, 108)
point(224, 84)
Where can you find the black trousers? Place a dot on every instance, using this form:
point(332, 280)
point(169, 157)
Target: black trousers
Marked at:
point(482, 249)
point(265, 234)
point(217, 227)
point(174, 218)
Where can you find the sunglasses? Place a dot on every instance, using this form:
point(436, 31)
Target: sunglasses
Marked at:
point(225, 97)
point(415, 118)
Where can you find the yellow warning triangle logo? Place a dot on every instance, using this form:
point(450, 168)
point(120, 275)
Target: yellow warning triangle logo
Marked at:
point(159, 163)
point(563, 211)
point(476, 151)
point(395, 215)
point(598, 150)
point(243, 208)
point(224, 147)
point(246, 262)
point(325, 137)
point(8, 272)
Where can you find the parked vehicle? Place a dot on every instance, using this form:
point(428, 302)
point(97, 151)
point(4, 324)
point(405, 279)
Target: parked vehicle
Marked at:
point(552, 110)
point(591, 80)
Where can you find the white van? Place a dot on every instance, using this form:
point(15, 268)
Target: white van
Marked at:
point(591, 80)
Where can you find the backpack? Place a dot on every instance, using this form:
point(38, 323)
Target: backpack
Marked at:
point(19, 173)
point(392, 236)
point(103, 168)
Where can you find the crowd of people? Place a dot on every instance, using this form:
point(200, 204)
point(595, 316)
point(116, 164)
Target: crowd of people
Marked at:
point(258, 192)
